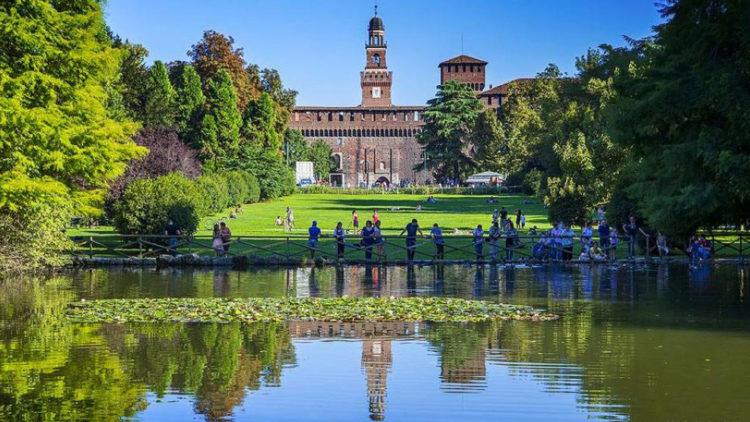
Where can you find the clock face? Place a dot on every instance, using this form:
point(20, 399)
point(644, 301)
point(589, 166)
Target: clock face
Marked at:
point(376, 58)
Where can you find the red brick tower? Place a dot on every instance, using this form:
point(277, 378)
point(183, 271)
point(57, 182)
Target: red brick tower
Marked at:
point(376, 78)
point(464, 69)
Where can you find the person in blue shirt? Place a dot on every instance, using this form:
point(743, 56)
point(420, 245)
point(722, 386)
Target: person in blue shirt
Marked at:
point(314, 235)
point(437, 238)
point(478, 235)
point(340, 235)
point(368, 239)
point(379, 240)
point(411, 231)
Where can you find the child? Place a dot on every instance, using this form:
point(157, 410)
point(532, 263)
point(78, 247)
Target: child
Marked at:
point(613, 243)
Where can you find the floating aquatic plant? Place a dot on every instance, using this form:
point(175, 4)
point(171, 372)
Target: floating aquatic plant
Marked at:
point(347, 309)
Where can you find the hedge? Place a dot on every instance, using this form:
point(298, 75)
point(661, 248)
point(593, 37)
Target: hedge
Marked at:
point(414, 190)
point(147, 204)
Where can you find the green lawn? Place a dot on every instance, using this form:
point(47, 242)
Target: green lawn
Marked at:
point(462, 212)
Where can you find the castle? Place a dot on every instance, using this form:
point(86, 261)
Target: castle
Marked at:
point(376, 140)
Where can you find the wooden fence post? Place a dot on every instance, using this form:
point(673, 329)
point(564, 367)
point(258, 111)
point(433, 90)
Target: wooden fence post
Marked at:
point(91, 247)
point(140, 247)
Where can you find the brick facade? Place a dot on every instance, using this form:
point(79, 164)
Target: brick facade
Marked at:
point(376, 140)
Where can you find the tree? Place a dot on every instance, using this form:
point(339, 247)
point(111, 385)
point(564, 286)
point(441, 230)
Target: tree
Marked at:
point(190, 100)
point(259, 126)
point(216, 52)
point(320, 155)
point(487, 138)
point(446, 135)
point(58, 144)
point(160, 105)
point(133, 76)
point(219, 139)
point(684, 110)
point(295, 146)
point(167, 154)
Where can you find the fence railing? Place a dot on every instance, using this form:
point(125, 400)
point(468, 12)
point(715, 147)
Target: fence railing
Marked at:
point(394, 248)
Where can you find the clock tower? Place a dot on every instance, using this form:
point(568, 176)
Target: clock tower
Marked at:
point(375, 80)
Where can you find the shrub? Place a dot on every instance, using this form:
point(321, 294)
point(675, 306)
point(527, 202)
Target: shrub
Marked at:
point(276, 180)
point(147, 204)
point(32, 237)
point(236, 186)
point(214, 193)
point(566, 201)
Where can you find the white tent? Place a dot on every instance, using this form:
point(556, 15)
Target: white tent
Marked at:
point(485, 178)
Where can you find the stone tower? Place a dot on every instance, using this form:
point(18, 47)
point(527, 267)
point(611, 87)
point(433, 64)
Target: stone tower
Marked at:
point(376, 78)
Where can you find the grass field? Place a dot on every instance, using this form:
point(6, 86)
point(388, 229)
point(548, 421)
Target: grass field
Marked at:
point(462, 212)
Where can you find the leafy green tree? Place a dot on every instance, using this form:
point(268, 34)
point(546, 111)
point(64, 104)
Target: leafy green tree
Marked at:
point(133, 76)
point(450, 118)
point(320, 155)
point(59, 145)
point(259, 128)
point(487, 140)
point(219, 138)
point(215, 52)
point(684, 110)
point(190, 100)
point(295, 146)
point(160, 102)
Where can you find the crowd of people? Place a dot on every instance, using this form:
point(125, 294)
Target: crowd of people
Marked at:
point(557, 243)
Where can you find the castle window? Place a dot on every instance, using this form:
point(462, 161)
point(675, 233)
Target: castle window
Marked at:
point(330, 117)
point(489, 100)
point(341, 116)
point(339, 141)
point(336, 161)
point(381, 166)
point(351, 116)
point(376, 92)
point(463, 68)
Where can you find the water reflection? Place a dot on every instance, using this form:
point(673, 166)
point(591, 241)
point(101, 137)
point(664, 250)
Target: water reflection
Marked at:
point(649, 343)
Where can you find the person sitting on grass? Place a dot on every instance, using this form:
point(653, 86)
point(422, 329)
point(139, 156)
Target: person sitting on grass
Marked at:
point(431, 200)
point(279, 222)
point(437, 238)
point(596, 253)
point(418, 207)
point(312, 241)
point(339, 234)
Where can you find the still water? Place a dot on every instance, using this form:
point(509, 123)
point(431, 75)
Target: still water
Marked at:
point(645, 343)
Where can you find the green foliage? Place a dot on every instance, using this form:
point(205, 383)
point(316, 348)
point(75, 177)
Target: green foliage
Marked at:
point(259, 128)
point(320, 155)
point(147, 204)
point(450, 119)
point(59, 144)
point(280, 309)
point(296, 147)
point(488, 140)
point(567, 202)
point(220, 129)
point(684, 108)
point(160, 106)
point(190, 100)
point(33, 238)
point(214, 193)
point(276, 179)
point(133, 75)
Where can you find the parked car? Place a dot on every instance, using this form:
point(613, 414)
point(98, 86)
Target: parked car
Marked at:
point(305, 182)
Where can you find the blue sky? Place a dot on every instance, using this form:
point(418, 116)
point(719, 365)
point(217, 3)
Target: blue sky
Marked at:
point(318, 46)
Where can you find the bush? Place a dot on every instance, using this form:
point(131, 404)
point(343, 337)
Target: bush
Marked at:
point(276, 180)
point(567, 202)
point(253, 188)
point(33, 237)
point(214, 193)
point(415, 190)
point(147, 204)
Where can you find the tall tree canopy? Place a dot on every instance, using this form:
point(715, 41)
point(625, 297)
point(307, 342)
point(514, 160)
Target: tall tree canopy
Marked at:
point(56, 137)
point(216, 52)
point(219, 140)
point(190, 101)
point(160, 105)
point(685, 112)
point(449, 119)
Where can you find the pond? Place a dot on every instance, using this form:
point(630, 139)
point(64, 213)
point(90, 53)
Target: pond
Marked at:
point(645, 342)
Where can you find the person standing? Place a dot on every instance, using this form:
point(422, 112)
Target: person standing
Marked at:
point(367, 239)
point(518, 217)
point(379, 240)
point(661, 245)
point(172, 231)
point(375, 217)
point(631, 230)
point(437, 238)
point(604, 236)
point(586, 234)
point(217, 244)
point(411, 231)
point(289, 219)
point(494, 238)
point(226, 236)
point(556, 235)
point(523, 221)
point(567, 243)
point(339, 234)
point(511, 237)
point(355, 221)
point(478, 240)
point(313, 235)
point(613, 243)
point(503, 214)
